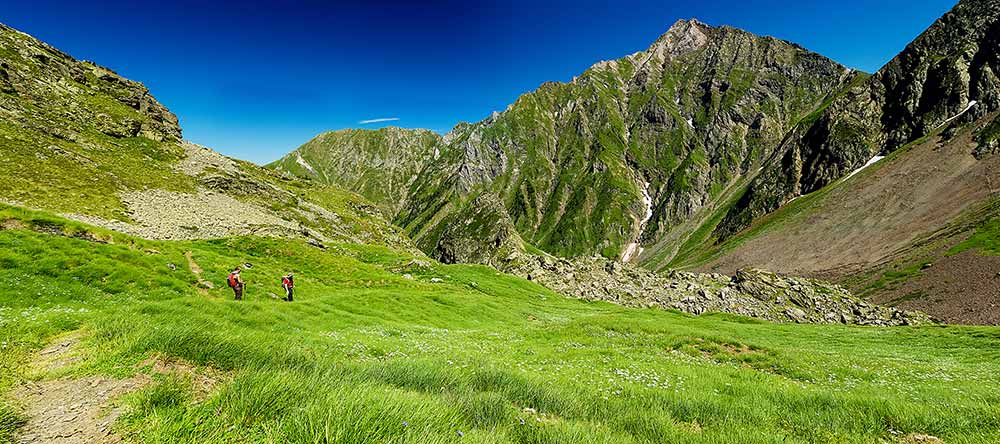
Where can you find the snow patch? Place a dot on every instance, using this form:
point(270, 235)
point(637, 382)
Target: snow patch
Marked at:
point(870, 163)
point(437, 153)
point(967, 108)
point(633, 249)
point(299, 160)
point(690, 122)
point(629, 251)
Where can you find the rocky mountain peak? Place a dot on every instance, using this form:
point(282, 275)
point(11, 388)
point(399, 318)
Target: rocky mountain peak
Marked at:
point(683, 37)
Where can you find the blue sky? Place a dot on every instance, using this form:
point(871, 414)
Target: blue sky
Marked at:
point(257, 80)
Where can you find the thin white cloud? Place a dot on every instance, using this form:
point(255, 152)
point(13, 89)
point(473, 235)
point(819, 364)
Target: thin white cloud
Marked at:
point(383, 119)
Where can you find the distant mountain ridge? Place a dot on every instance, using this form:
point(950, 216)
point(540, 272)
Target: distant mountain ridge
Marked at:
point(684, 153)
point(381, 164)
point(616, 158)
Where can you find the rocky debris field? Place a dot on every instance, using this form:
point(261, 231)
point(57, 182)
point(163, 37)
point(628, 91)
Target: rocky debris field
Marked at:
point(166, 215)
point(752, 293)
point(199, 158)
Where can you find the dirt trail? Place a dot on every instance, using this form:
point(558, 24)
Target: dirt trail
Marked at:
point(82, 410)
point(203, 284)
point(74, 411)
point(71, 411)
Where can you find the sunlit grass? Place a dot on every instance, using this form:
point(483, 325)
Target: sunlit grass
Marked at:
point(368, 355)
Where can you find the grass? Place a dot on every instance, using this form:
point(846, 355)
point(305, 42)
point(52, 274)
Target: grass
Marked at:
point(368, 355)
point(986, 239)
point(897, 277)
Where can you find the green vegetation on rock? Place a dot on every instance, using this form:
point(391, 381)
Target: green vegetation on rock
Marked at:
point(579, 166)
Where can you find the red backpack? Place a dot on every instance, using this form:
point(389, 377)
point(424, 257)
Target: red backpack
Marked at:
point(232, 280)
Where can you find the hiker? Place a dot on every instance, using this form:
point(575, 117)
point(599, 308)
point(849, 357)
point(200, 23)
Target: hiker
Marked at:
point(288, 283)
point(236, 283)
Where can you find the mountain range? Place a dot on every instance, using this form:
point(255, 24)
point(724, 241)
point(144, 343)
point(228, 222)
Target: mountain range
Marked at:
point(717, 150)
point(724, 238)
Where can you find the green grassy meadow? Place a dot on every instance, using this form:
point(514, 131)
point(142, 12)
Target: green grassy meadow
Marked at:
point(374, 351)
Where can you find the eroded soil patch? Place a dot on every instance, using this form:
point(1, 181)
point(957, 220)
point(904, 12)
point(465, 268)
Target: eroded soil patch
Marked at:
point(962, 288)
point(82, 410)
point(74, 411)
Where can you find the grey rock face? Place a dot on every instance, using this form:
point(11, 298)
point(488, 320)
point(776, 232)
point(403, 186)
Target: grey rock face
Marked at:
point(947, 76)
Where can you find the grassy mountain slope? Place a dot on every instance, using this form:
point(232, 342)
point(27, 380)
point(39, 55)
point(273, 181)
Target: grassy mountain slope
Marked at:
point(79, 140)
point(380, 165)
point(621, 154)
point(367, 354)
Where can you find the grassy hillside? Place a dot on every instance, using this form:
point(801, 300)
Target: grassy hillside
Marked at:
point(79, 140)
point(379, 164)
point(367, 354)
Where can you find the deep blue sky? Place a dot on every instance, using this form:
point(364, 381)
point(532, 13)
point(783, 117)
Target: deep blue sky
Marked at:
point(255, 81)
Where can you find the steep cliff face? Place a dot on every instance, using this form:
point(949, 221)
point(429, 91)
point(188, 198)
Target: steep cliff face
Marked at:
point(947, 76)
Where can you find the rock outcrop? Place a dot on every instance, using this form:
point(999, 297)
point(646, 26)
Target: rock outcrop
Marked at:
point(752, 293)
point(34, 72)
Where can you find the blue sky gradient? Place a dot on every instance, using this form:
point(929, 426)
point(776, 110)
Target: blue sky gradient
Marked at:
point(257, 80)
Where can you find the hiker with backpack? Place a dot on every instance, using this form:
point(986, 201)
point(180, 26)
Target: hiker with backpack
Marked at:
point(236, 283)
point(288, 283)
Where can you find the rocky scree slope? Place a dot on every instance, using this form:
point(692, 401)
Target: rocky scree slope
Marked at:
point(752, 293)
point(79, 140)
point(613, 161)
point(947, 76)
point(890, 227)
point(484, 233)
